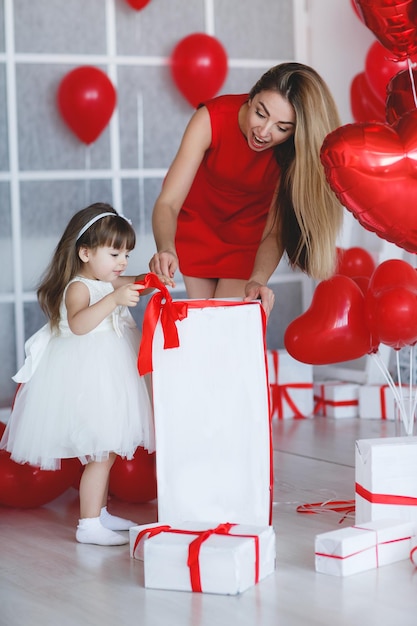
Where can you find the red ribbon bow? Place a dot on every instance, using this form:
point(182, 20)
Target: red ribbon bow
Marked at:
point(161, 304)
point(171, 312)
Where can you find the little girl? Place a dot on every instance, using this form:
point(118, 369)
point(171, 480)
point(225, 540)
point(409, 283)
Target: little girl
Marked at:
point(81, 394)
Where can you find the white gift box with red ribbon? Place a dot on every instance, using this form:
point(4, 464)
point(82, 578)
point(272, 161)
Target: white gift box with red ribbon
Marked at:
point(223, 559)
point(335, 398)
point(291, 386)
point(386, 479)
point(211, 406)
point(362, 547)
point(376, 402)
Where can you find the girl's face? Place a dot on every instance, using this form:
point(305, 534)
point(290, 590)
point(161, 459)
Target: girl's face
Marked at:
point(269, 121)
point(104, 263)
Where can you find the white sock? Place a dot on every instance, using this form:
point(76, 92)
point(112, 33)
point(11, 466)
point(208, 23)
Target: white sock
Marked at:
point(91, 530)
point(113, 522)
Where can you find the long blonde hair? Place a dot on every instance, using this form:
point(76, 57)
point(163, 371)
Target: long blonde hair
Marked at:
point(66, 263)
point(308, 212)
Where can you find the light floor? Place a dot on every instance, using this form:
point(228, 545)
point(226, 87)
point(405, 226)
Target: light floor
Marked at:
point(46, 578)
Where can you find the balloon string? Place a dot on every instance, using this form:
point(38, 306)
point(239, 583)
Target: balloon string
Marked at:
point(87, 180)
point(413, 85)
point(384, 369)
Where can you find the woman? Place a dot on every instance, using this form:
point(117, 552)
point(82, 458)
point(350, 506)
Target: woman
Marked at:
point(247, 186)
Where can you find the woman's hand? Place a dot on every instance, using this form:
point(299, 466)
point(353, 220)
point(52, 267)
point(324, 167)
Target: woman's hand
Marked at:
point(254, 291)
point(164, 263)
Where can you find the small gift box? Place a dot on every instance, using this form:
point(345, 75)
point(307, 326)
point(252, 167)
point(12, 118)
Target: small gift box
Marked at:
point(336, 399)
point(376, 402)
point(386, 479)
point(291, 386)
point(362, 547)
point(225, 559)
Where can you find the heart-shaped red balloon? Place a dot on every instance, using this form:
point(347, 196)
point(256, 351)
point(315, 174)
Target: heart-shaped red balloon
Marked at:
point(380, 67)
point(333, 328)
point(393, 22)
point(366, 106)
point(355, 262)
point(372, 168)
point(391, 303)
point(400, 95)
point(393, 273)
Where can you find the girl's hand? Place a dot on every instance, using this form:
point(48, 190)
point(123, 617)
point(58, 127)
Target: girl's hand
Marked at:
point(164, 263)
point(127, 295)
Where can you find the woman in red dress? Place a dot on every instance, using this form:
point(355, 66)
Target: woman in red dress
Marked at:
point(247, 186)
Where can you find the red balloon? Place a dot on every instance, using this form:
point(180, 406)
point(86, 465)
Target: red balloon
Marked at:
point(355, 262)
point(199, 67)
point(364, 103)
point(28, 487)
point(380, 68)
point(391, 303)
point(393, 22)
point(393, 273)
point(392, 316)
point(362, 282)
point(333, 329)
point(134, 480)
point(138, 4)
point(372, 168)
point(400, 97)
point(86, 100)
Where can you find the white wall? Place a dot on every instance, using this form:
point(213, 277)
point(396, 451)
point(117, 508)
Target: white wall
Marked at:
point(332, 39)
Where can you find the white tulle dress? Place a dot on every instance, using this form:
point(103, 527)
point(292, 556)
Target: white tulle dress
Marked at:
point(81, 395)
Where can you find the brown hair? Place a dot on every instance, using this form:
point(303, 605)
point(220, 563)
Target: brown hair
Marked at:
point(308, 212)
point(66, 263)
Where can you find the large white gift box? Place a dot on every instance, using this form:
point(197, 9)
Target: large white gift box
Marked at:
point(334, 398)
point(386, 479)
point(362, 547)
point(224, 559)
point(211, 407)
point(291, 386)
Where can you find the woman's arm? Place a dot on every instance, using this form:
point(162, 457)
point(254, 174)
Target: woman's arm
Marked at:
point(267, 258)
point(196, 140)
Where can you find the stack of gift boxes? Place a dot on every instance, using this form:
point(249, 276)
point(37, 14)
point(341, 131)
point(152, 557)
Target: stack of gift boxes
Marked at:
point(213, 414)
point(214, 447)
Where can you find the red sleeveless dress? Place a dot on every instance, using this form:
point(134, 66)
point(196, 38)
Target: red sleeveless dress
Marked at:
point(221, 223)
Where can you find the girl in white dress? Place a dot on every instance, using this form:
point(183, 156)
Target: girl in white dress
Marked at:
point(80, 393)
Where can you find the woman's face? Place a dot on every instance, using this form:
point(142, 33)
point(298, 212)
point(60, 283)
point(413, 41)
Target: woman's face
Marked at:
point(269, 120)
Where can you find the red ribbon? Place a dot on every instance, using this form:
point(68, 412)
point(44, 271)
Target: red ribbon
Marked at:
point(193, 560)
point(280, 394)
point(383, 403)
point(337, 506)
point(379, 498)
point(162, 306)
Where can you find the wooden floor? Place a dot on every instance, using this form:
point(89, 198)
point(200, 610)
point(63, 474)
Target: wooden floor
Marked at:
point(46, 578)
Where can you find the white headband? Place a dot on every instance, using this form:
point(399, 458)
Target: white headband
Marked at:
point(95, 219)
